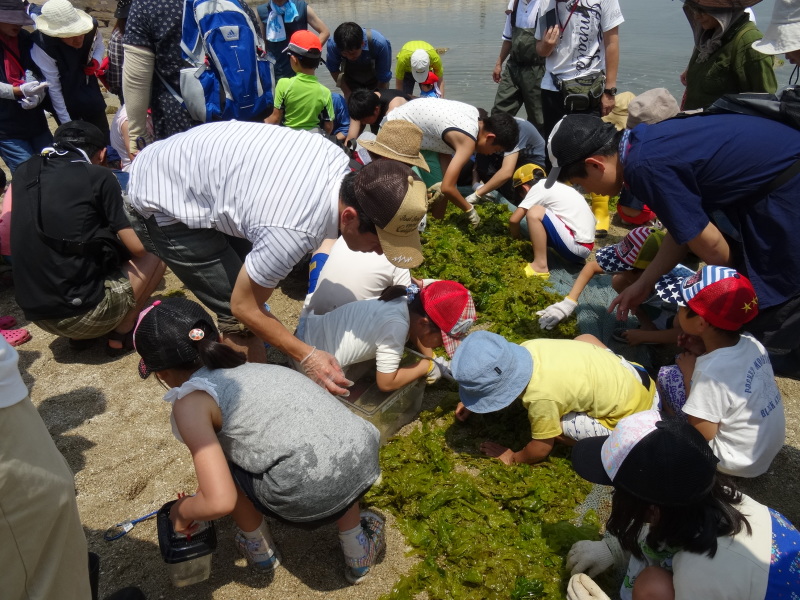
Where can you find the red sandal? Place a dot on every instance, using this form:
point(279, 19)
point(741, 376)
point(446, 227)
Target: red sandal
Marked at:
point(7, 322)
point(15, 337)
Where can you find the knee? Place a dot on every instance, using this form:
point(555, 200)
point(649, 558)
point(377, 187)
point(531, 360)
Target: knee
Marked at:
point(654, 583)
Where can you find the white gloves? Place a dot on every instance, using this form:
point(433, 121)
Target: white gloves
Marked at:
point(474, 198)
point(32, 94)
point(473, 217)
point(582, 587)
point(435, 193)
point(555, 313)
point(440, 368)
point(323, 369)
point(593, 558)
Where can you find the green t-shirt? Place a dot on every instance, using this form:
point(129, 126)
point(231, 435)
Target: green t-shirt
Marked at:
point(305, 102)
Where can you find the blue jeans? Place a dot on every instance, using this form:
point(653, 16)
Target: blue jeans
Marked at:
point(205, 260)
point(16, 152)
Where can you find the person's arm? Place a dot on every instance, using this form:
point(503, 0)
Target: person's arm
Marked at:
point(711, 247)
point(383, 64)
point(548, 43)
point(333, 61)
point(707, 428)
point(611, 43)
point(388, 382)
point(588, 271)
point(464, 147)
point(668, 256)
point(514, 220)
point(132, 242)
point(398, 84)
point(686, 362)
point(47, 65)
point(216, 492)
point(505, 50)
point(318, 25)
point(534, 451)
point(247, 305)
point(462, 412)
point(99, 48)
point(137, 81)
point(354, 130)
point(503, 174)
point(275, 118)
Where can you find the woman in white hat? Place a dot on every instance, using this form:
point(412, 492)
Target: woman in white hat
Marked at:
point(783, 34)
point(68, 48)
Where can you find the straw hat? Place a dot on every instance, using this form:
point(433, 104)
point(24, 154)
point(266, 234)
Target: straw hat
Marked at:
point(62, 20)
point(619, 114)
point(400, 141)
point(783, 33)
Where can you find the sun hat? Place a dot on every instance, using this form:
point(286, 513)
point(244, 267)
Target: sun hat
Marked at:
point(62, 20)
point(420, 65)
point(79, 133)
point(432, 78)
point(664, 461)
point(304, 43)
point(619, 114)
point(491, 371)
point(723, 4)
point(574, 138)
point(783, 33)
point(398, 140)
point(652, 106)
point(395, 200)
point(449, 305)
point(635, 251)
point(528, 172)
point(15, 12)
point(722, 296)
point(167, 332)
point(123, 9)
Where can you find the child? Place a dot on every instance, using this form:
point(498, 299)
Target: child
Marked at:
point(456, 131)
point(557, 217)
point(430, 87)
point(572, 389)
point(341, 118)
point(302, 102)
point(440, 314)
point(689, 532)
point(626, 260)
point(318, 459)
point(727, 391)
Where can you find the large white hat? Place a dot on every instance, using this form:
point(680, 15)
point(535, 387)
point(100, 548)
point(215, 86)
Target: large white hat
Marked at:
point(62, 20)
point(783, 33)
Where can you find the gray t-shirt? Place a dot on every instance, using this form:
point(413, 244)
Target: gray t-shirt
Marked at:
point(316, 456)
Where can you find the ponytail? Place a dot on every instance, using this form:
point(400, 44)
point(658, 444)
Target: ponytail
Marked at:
point(411, 292)
point(213, 354)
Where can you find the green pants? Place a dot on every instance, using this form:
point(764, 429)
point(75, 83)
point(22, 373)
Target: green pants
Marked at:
point(521, 86)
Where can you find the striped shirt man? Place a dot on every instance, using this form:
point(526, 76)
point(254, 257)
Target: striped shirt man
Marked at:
point(276, 187)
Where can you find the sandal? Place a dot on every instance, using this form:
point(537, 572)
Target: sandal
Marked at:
point(7, 322)
point(15, 337)
point(529, 272)
point(126, 339)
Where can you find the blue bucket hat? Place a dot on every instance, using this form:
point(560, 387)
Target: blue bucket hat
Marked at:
point(491, 371)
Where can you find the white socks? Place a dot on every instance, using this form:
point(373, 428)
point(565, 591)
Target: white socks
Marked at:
point(353, 542)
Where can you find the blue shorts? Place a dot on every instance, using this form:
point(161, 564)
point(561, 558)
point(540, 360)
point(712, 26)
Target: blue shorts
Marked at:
point(562, 239)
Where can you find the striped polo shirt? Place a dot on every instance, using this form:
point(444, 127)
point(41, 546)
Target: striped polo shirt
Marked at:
point(274, 186)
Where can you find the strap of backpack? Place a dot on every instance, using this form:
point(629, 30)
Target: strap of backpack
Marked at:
point(783, 178)
point(170, 89)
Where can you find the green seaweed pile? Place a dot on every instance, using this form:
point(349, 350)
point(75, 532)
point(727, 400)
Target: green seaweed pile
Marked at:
point(482, 529)
point(489, 263)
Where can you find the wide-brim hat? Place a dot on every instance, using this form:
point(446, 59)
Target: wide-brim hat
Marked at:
point(398, 140)
point(652, 106)
point(62, 20)
point(783, 33)
point(395, 200)
point(15, 12)
point(491, 372)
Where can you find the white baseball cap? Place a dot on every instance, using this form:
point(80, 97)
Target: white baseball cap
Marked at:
point(420, 65)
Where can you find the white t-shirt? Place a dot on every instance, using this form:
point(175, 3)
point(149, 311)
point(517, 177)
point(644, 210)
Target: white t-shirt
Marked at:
point(526, 16)
point(12, 388)
point(215, 176)
point(437, 116)
point(349, 276)
point(568, 204)
point(736, 388)
point(738, 571)
point(361, 331)
point(580, 52)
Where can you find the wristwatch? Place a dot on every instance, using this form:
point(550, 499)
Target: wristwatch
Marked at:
point(610, 91)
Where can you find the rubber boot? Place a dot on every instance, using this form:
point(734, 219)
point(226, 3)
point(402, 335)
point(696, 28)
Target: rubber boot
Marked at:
point(600, 210)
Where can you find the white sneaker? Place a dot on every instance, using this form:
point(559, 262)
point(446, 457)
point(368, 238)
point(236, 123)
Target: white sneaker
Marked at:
point(261, 553)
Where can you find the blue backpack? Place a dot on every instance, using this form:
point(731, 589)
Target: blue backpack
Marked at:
point(231, 76)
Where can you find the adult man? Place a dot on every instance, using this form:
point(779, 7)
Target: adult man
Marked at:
point(359, 58)
point(231, 226)
point(520, 81)
point(70, 240)
point(580, 40)
point(414, 61)
point(732, 204)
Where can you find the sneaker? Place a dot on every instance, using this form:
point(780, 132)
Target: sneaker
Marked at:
point(373, 542)
point(259, 552)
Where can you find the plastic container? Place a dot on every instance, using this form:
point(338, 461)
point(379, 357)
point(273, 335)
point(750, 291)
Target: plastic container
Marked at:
point(189, 558)
point(388, 411)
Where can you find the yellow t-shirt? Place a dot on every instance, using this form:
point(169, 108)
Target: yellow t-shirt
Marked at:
point(403, 65)
point(575, 376)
